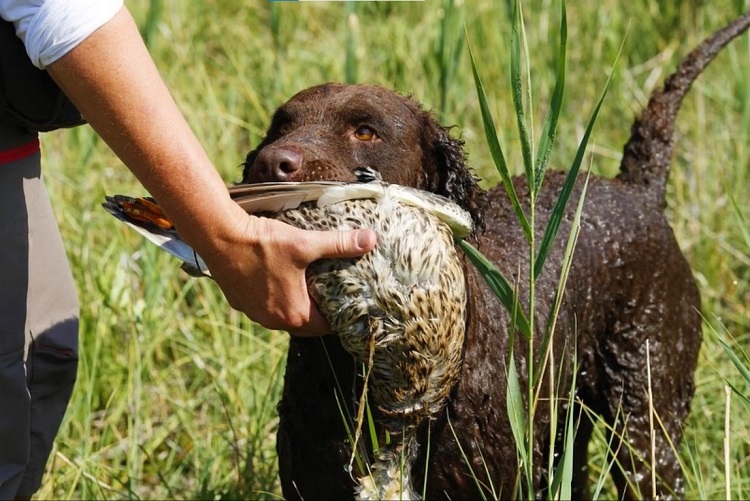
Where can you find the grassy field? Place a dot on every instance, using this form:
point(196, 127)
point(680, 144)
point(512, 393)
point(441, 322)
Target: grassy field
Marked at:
point(176, 393)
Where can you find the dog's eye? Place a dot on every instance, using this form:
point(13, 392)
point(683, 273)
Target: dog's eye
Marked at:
point(364, 133)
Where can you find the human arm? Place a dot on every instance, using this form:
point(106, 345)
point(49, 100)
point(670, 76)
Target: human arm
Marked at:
point(258, 263)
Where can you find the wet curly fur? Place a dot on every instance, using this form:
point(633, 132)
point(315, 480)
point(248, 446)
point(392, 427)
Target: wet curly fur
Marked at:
point(630, 298)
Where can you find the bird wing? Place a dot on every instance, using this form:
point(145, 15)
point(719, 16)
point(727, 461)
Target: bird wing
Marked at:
point(146, 217)
point(277, 197)
point(139, 214)
point(446, 210)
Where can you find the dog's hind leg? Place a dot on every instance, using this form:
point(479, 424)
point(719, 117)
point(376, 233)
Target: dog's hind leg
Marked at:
point(584, 428)
point(649, 364)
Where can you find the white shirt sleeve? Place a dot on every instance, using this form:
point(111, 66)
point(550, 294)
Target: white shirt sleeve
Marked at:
point(51, 28)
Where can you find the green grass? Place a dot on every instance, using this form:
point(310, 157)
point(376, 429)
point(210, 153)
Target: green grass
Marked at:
point(176, 393)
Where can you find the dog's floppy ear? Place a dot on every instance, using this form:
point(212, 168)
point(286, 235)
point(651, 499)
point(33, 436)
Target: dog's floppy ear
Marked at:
point(454, 179)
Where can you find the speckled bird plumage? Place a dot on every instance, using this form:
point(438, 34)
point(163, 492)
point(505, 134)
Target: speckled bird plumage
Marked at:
point(406, 301)
point(399, 310)
point(407, 295)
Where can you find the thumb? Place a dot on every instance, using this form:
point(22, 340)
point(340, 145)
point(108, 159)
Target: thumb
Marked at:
point(342, 244)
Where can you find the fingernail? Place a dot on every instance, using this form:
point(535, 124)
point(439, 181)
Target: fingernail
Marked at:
point(366, 239)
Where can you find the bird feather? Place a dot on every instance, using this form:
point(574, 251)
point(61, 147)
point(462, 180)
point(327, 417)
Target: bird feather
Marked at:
point(278, 197)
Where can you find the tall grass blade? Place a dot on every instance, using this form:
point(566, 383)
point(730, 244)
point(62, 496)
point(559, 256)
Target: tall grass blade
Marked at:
point(371, 427)
point(517, 91)
point(745, 401)
point(517, 418)
point(727, 445)
point(696, 469)
point(498, 284)
point(567, 263)
point(441, 56)
point(448, 50)
point(742, 223)
point(549, 130)
point(612, 461)
point(491, 485)
point(148, 31)
point(741, 366)
point(465, 457)
point(343, 412)
point(346, 417)
point(562, 201)
point(274, 21)
point(350, 62)
point(529, 94)
point(562, 480)
point(496, 151)
point(427, 462)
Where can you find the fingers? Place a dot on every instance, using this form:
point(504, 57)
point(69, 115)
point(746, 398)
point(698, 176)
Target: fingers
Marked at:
point(339, 244)
point(314, 245)
point(299, 314)
point(316, 325)
point(262, 273)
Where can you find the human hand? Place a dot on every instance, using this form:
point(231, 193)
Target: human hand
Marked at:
point(261, 270)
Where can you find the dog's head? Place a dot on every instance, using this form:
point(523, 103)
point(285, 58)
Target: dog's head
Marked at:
point(328, 131)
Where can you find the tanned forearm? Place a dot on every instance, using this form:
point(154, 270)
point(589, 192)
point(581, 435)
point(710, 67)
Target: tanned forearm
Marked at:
point(259, 263)
point(124, 98)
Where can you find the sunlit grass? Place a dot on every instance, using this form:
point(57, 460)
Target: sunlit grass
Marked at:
point(176, 393)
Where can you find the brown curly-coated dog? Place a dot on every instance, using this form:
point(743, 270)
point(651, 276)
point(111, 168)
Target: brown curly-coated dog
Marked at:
point(630, 298)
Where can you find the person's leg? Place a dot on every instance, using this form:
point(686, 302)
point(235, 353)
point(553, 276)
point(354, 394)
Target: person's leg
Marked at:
point(15, 401)
point(38, 323)
point(52, 326)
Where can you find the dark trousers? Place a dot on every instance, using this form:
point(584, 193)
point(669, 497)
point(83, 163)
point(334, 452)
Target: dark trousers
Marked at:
point(38, 323)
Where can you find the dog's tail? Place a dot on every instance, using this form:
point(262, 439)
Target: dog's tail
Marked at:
point(648, 152)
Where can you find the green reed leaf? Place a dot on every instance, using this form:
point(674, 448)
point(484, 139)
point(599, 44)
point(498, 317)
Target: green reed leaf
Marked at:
point(351, 68)
point(562, 201)
point(562, 479)
point(516, 84)
point(741, 366)
point(517, 413)
point(549, 130)
point(567, 263)
point(496, 150)
point(499, 285)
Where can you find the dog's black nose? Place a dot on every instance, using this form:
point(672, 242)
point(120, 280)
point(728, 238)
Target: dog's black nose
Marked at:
point(277, 164)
